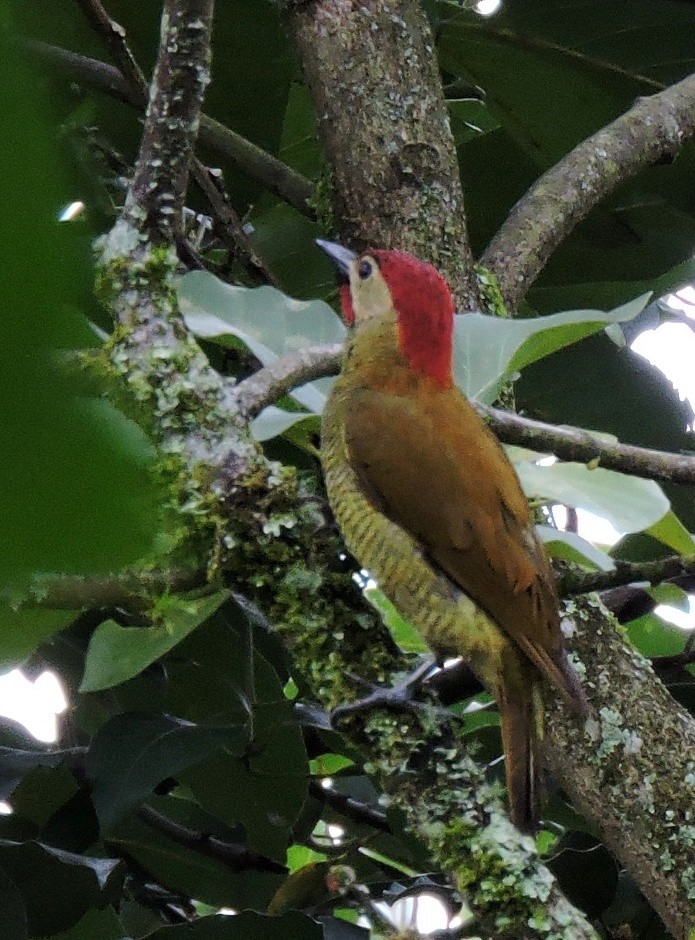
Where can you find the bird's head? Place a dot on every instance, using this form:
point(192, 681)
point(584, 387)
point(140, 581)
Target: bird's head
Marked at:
point(396, 285)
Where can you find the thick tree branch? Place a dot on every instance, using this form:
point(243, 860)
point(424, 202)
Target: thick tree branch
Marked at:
point(631, 771)
point(273, 174)
point(373, 75)
point(654, 128)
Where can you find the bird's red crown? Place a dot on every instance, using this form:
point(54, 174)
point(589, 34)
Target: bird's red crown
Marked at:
point(425, 307)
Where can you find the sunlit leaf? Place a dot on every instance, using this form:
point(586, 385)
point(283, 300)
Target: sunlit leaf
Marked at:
point(572, 547)
point(630, 504)
point(488, 350)
point(671, 531)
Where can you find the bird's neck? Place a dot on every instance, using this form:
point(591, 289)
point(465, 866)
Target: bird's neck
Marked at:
point(376, 351)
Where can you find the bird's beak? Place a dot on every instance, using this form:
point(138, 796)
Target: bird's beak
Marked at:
point(341, 257)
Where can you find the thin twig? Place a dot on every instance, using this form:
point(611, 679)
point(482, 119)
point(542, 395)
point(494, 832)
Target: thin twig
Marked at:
point(273, 174)
point(654, 128)
point(229, 224)
point(654, 572)
point(114, 37)
point(350, 807)
point(236, 857)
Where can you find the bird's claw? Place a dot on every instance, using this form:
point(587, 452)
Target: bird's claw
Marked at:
point(401, 697)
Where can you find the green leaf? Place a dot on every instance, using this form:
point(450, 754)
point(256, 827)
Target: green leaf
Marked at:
point(58, 887)
point(470, 117)
point(671, 595)
point(16, 763)
point(628, 503)
point(405, 635)
point(118, 653)
point(25, 629)
point(131, 754)
point(654, 636)
point(299, 856)
point(327, 765)
point(102, 924)
point(572, 547)
point(671, 531)
point(488, 350)
point(268, 322)
point(245, 926)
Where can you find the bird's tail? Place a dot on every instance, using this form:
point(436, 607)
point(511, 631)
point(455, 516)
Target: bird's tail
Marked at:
point(521, 716)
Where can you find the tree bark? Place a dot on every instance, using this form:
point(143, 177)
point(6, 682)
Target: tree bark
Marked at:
point(372, 71)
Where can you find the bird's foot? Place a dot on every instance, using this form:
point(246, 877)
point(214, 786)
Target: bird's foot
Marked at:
point(401, 697)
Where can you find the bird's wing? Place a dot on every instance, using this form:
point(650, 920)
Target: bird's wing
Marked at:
point(431, 465)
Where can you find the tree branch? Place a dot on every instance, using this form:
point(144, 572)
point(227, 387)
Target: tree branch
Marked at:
point(132, 590)
point(568, 443)
point(273, 382)
point(114, 37)
point(228, 222)
point(664, 569)
point(273, 174)
point(634, 755)
point(235, 857)
point(385, 128)
point(654, 128)
point(350, 807)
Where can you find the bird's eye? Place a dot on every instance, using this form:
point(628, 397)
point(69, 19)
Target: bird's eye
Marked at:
point(364, 269)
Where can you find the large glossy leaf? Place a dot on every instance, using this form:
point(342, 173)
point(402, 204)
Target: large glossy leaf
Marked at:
point(629, 503)
point(131, 754)
point(57, 887)
point(268, 322)
point(117, 653)
point(487, 350)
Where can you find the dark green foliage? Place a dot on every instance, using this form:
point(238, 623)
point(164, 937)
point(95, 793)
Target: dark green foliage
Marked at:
point(183, 771)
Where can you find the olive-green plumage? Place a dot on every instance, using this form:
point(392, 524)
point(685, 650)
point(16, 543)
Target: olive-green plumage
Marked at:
point(429, 503)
